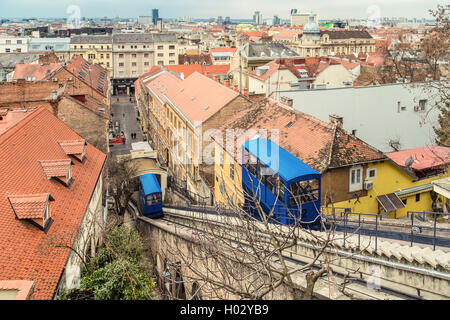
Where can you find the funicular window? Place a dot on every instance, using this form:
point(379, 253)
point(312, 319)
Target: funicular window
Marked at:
point(303, 192)
point(153, 199)
point(280, 188)
point(250, 163)
point(270, 183)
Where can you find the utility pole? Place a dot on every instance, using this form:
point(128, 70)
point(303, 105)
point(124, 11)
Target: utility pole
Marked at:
point(240, 71)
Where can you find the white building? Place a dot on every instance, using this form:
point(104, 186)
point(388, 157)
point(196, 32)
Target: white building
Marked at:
point(302, 18)
point(399, 115)
point(13, 44)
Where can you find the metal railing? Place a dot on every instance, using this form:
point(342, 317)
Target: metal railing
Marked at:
point(360, 227)
point(423, 215)
point(339, 217)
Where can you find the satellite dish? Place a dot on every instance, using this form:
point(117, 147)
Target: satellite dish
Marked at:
point(409, 161)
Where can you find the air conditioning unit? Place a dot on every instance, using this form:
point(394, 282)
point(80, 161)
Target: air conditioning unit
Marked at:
point(416, 108)
point(368, 185)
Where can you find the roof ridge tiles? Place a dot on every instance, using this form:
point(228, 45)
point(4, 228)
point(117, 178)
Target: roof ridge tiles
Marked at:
point(15, 127)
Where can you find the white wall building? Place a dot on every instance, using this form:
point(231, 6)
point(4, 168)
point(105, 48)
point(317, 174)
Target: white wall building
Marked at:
point(334, 76)
point(13, 44)
point(379, 115)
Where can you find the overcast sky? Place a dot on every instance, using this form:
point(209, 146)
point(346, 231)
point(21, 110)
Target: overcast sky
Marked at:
point(236, 9)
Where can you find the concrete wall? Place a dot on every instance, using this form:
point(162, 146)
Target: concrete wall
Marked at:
point(373, 112)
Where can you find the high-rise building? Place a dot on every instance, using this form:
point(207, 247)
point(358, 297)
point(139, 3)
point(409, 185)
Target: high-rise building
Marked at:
point(276, 20)
point(155, 16)
point(219, 19)
point(301, 18)
point(257, 17)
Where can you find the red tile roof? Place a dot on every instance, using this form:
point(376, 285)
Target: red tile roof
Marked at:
point(55, 168)
point(26, 252)
point(274, 66)
point(223, 49)
point(24, 288)
point(73, 147)
point(188, 69)
point(93, 75)
point(199, 97)
point(319, 144)
point(35, 71)
point(29, 206)
point(426, 157)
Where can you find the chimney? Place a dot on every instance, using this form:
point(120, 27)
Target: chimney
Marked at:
point(227, 83)
point(216, 78)
point(182, 76)
point(245, 92)
point(287, 101)
point(236, 88)
point(336, 120)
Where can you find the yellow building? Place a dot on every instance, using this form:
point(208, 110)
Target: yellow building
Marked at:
point(228, 177)
point(411, 183)
point(95, 49)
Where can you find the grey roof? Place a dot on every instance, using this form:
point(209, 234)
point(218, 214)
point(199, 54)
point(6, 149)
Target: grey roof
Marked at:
point(347, 34)
point(267, 51)
point(144, 37)
point(90, 39)
point(9, 60)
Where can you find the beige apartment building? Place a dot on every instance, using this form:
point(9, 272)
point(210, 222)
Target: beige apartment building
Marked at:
point(134, 54)
point(127, 56)
point(315, 43)
point(95, 49)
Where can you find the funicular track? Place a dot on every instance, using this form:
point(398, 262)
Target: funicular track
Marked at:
point(359, 287)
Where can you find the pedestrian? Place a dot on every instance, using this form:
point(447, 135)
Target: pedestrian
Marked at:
point(124, 115)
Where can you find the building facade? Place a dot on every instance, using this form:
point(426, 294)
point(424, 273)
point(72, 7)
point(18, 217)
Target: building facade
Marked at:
point(314, 42)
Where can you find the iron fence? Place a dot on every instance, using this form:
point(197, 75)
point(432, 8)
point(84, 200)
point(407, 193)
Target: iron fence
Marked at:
point(339, 218)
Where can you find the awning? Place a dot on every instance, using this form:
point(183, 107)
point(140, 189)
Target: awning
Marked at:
point(414, 190)
point(390, 202)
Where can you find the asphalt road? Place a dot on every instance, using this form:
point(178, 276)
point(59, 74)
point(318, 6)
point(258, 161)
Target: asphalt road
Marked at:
point(125, 112)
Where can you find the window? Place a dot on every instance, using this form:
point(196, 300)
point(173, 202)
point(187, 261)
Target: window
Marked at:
point(8, 50)
point(221, 159)
point(121, 55)
point(160, 47)
point(171, 47)
point(232, 171)
point(133, 55)
point(146, 64)
point(107, 56)
point(422, 104)
point(121, 64)
point(171, 62)
point(356, 179)
point(19, 41)
point(354, 132)
point(418, 197)
point(101, 56)
point(8, 41)
point(171, 54)
point(107, 64)
point(371, 173)
point(405, 201)
point(145, 55)
point(160, 54)
point(161, 63)
point(133, 64)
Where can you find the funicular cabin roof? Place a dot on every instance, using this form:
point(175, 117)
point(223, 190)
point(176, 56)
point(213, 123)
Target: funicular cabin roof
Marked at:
point(150, 184)
point(288, 167)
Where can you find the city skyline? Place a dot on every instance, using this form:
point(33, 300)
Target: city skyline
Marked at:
point(203, 9)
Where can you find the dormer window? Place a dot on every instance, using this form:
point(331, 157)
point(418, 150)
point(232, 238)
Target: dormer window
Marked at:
point(74, 148)
point(33, 207)
point(58, 169)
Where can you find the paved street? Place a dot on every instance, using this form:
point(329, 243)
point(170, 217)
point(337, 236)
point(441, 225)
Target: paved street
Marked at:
point(125, 112)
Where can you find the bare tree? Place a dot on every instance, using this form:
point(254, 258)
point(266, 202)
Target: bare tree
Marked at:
point(243, 252)
point(122, 181)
